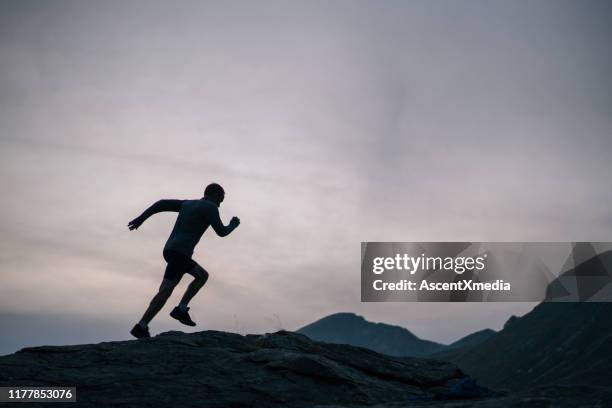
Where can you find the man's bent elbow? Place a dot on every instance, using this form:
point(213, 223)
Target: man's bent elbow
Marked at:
point(221, 232)
point(225, 232)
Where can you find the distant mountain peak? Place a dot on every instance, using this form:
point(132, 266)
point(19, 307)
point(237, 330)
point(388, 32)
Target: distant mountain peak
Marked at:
point(345, 315)
point(511, 320)
point(350, 328)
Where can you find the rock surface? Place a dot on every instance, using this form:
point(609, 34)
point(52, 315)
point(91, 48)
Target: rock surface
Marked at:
point(217, 369)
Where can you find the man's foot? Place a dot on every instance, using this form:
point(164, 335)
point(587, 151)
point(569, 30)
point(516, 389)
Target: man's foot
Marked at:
point(182, 316)
point(139, 332)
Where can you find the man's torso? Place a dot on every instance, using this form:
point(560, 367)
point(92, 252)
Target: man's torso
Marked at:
point(192, 221)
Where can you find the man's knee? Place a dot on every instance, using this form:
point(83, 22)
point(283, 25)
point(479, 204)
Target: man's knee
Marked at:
point(201, 274)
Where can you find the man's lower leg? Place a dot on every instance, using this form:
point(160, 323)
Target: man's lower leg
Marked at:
point(181, 312)
point(154, 307)
point(158, 301)
point(191, 291)
point(200, 277)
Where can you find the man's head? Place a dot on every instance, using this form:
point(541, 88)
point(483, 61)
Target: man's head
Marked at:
point(215, 193)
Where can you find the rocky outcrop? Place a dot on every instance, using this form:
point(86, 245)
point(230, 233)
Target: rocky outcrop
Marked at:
point(217, 369)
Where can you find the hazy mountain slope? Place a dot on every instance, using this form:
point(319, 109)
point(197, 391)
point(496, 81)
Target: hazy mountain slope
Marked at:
point(463, 344)
point(472, 339)
point(561, 343)
point(348, 328)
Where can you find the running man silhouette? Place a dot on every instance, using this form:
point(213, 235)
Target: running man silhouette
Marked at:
point(194, 217)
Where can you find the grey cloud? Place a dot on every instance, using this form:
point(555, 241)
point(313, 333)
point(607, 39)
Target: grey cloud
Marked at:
point(329, 123)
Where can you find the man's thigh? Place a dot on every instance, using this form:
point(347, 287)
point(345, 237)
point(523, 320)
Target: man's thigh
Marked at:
point(178, 264)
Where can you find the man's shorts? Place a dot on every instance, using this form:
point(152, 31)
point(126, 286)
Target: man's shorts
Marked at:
point(178, 264)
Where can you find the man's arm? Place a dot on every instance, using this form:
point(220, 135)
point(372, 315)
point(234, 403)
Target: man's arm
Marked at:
point(220, 229)
point(159, 206)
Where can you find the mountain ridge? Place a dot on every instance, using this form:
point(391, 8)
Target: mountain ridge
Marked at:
point(561, 343)
point(353, 329)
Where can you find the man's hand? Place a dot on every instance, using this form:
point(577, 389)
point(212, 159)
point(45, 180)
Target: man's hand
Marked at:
point(135, 223)
point(234, 222)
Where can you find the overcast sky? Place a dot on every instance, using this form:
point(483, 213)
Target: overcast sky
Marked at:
point(327, 122)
